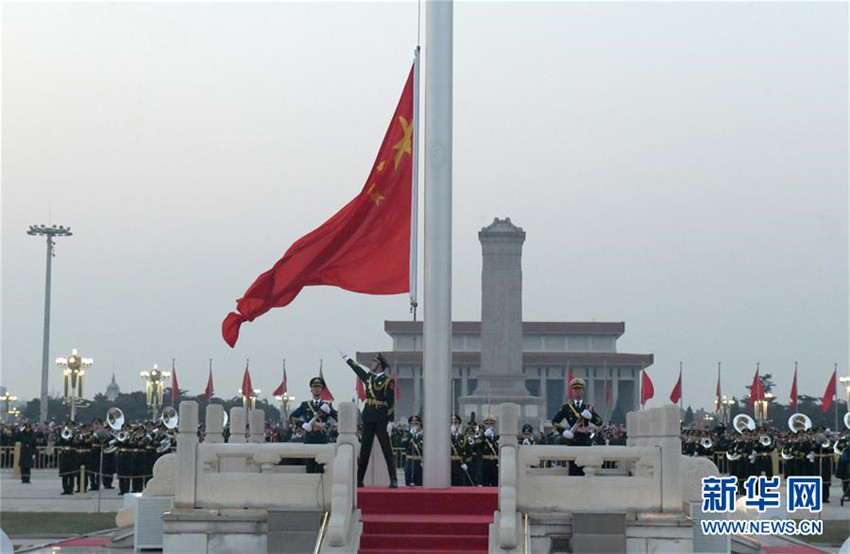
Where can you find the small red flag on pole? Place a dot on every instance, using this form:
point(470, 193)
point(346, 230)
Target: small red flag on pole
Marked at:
point(647, 391)
point(719, 399)
point(361, 392)
point(281, 389)
point(569, 379)
point(326, 393)
point(247, 388)
point(829, 393)
point(208, 392)
point(676, 394)
point(175, 388)
point(755, 389)
point(794, 389)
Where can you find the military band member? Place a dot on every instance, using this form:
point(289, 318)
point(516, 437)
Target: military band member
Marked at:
point(93, 462)
point(579, 415)
point(823, 454)
point(471, 454)
point(125, 460)
point(64, 446)
point(764, 455)
point(378, 414)
point(458, 467)
point(314, 416)
point(412, 443)
point(82, 445)
point(489, 453)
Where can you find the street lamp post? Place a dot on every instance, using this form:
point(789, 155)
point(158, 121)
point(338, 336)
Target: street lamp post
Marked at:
point(726, 409)
point(7, 399)
point(154, 388)
point(285, 399)
point(846, 382)
point(249, 402)
point(73, 377)
point(49, 232)
point(761, 409)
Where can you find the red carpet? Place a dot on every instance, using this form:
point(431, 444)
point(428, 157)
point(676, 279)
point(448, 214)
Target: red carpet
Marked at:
point(425, 520)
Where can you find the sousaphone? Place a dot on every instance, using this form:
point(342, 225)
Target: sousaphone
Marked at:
point(742, 422)
point(169, 417)
point(115, 418)
point(799, 422)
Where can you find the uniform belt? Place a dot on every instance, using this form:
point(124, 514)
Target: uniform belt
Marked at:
point(414, 457)
point(84, 450)
point(372, 402)
point(763, 455)
point(491, 457)
point(456, 458)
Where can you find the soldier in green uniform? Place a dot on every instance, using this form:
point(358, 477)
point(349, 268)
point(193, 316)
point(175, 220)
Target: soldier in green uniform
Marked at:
point(378, 414)
point(458, 467)
point(489, 453)
point(412, 443)
point(313, 416)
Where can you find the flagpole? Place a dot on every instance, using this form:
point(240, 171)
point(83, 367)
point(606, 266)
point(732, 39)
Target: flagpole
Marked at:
point(437, 355)
point(414, 204)
point(835, 395)
point(681, 392)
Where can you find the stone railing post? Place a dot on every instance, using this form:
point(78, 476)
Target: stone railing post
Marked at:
point(237, 425)
point(257, 426)
point(660, 427)
point(187, 455)
point(214, 424)
point(343, 497)
point(508, 475)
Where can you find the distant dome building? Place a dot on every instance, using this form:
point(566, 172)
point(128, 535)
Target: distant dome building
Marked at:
point(113, 390)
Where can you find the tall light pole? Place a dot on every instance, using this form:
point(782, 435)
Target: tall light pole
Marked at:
point(154, 388)
point(846, 382)
point(49, 232)
point(74, 378)
point(7, 400)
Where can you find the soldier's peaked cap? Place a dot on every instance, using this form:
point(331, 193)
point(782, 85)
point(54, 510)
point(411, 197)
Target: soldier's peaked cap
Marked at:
point(578, 383)
point(317, 381)
point(489, 419)
point(414, 420)
point(381, 360)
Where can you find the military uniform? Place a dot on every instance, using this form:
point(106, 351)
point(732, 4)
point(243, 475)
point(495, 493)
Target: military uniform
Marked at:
point(489, 454)
point(378, 415)
point(457, 439)
point(412, 444)
point(67, 461)
point(578, 414)
point(312, 410)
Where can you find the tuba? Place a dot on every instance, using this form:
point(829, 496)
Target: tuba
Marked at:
point(847, 420)
point(743, 421)
point(169, 418)
point(115, 418)
point(799, 422)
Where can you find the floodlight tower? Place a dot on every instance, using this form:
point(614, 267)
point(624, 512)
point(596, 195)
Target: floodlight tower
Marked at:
point(49, 232)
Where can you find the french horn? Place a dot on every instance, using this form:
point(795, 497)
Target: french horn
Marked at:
point(799, 422)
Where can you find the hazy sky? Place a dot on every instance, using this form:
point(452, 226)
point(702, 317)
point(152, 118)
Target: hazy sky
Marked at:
point(679, 167)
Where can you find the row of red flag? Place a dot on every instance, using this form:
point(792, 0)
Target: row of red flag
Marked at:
point(647, 390)
point(248, 389)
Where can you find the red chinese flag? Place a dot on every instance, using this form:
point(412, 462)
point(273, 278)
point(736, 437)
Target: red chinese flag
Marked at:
point(794, 392)
point(647, 391)
point(361, 392)
point(175, 388)
point(754, 389)
point(364, 248)
point(247, 388)
point(676, 394)
point(326, 393)
point(607, 393)
point(397, 388)
point(569, 378)
point(829, 393)
point(208, 392)
point(281, 389)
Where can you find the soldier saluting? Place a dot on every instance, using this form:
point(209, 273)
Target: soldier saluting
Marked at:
point(378, 414)
point(313, 416)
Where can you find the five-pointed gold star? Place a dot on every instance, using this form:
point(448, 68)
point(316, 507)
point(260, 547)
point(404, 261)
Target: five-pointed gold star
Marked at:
point(381, 166)
point(404, 145)
point(375, 195)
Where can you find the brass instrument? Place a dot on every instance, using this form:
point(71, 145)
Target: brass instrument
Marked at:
point(169, 417)
point(706, 443)
point(733, 456)
point(115, 418)
point(799, 422)
point(743, 421)
point(766, 440)
point(837, 450)
point(847, 420)
point(786, 454)
point(67, 433)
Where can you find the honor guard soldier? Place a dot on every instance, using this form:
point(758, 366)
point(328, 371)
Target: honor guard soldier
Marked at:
point(378, 414)
point(458, 467)
point(82, 444)
point(764, 448)
point(489, 453)
point(471, 455)
point(823, 455)
point(579, 414)
point(314, 417)
point(93, 463)
point(67, 457)
point(412, 443)
point(527, 437)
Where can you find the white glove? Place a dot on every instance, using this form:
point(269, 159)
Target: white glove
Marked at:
point(389, 427)
point(567, 434)
point(586, 414)
point(488, 433)
point(325, 408)
point(342, 353)
point(464, 467)
point(454, 430)
point(305, 426)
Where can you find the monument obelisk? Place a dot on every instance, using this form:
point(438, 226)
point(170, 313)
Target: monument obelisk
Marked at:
point(501, 378)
